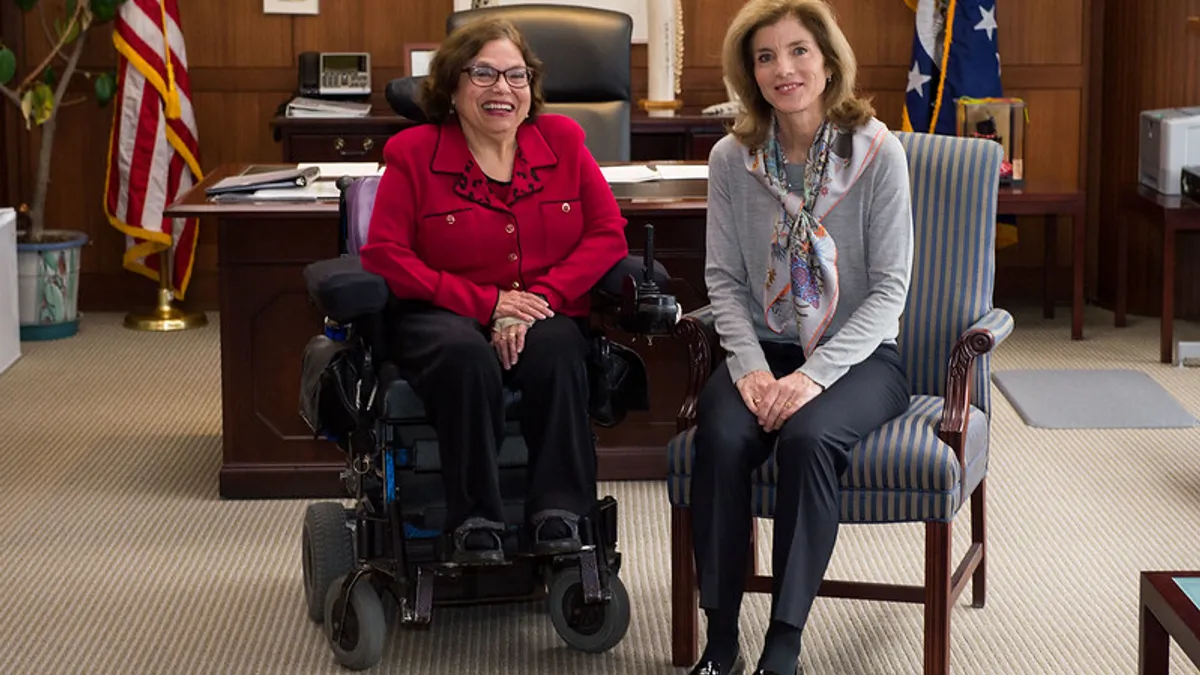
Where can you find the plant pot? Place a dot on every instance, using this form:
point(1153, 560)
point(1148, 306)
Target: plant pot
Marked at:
point(48, 284)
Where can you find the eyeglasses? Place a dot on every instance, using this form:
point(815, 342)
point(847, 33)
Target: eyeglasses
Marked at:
point(517, 77)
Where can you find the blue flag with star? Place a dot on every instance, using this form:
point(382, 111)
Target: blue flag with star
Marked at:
point(954, 55)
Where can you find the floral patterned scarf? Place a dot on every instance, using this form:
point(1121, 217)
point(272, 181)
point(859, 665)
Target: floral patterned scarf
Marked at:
point(802, 276)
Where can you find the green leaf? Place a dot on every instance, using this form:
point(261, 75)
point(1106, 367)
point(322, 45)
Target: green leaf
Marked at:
point(27, 106)
point(106, 87)
point(105, 10)
point(60, 26)
point(49, 76)
point(8, 65)
point(26, 5)
point(43, 103)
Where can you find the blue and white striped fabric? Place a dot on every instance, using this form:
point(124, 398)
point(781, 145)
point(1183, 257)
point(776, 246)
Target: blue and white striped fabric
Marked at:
point(903, 472)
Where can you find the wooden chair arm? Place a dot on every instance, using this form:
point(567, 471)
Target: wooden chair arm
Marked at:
point(697, 331)
point(956, 409)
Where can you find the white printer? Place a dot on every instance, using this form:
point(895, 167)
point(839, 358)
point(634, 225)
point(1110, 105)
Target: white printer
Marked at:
point(1169, 140)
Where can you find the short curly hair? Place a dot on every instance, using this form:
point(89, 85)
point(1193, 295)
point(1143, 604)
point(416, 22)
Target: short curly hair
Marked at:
point(457, 52)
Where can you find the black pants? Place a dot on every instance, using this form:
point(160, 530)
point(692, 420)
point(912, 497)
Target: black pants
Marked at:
point(450, 362)
point(812, 451)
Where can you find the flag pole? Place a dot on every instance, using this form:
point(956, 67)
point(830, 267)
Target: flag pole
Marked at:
point(165, 317)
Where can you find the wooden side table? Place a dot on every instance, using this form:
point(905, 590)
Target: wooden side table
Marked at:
point(1173, 214)
point(1033, 200)
point(1166, 612)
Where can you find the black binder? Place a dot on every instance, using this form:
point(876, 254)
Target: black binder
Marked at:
point(249, 182)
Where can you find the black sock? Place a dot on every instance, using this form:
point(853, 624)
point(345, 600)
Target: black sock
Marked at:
point(722, 641)
point(781, 649)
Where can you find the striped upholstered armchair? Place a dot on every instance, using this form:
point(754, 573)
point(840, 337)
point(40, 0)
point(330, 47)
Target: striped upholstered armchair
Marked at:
point(923, 465)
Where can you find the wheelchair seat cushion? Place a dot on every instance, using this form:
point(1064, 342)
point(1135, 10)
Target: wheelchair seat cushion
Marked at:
point(402, 404)
point(901, 472)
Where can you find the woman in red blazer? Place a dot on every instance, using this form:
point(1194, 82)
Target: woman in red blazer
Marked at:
point(491, 225)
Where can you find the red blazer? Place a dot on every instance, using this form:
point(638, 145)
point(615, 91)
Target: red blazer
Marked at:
point(438, 233)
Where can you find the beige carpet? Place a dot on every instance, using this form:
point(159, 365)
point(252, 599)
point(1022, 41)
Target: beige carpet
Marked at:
point(116, 556)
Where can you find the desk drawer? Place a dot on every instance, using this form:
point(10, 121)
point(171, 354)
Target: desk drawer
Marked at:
point(337, 147)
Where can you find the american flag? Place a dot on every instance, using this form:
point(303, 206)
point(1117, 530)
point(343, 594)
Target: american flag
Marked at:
point(153, 152)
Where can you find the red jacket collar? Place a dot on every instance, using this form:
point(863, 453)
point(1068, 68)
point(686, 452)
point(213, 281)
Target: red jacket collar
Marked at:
point(452, 156)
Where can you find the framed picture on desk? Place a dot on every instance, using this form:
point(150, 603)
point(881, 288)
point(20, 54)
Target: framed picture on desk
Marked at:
point(417, 56)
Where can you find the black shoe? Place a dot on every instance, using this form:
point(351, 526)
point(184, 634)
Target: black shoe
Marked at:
point(760, 671)
point(555, 532)
point(478, 541)
point(714, 668)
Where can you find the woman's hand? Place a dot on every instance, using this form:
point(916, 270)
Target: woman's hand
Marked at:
point(521, 305)
point(508, 339)
point(753, 386)
point(784, 397)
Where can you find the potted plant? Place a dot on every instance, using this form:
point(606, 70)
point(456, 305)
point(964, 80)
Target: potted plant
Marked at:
point(48, 259)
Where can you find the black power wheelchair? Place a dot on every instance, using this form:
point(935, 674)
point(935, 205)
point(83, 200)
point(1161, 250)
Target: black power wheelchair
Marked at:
point(386, 555)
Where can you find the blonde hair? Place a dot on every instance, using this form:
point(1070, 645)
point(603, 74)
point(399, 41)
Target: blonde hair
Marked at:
point(842, 105)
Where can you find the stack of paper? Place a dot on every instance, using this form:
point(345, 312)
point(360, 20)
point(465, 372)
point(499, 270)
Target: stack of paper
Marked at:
point(629, 173)
point(314, 191)
point(682, 171)
point(640, 173)
point(335, 170)
point(315, 107)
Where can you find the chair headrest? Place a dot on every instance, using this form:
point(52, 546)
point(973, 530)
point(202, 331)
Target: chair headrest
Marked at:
point(404, 95)
point(585, 51)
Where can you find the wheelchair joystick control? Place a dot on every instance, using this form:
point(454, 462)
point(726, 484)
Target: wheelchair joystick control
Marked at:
point(649, 311)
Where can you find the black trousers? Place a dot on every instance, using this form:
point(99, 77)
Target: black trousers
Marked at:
point(450, 362)
point(812, 451)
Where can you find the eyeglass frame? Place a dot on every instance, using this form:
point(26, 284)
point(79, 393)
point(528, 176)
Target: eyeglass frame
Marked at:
point(500, 73)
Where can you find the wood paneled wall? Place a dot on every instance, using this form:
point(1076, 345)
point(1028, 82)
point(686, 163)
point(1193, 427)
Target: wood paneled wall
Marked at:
point(242, 65)
point(1154, 63)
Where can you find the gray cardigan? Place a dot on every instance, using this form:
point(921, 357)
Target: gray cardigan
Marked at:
point(872, 228)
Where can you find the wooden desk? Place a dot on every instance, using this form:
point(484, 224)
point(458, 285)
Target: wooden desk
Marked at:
point(1033, 200)
point(266, 320)
point(1173, 214)
point(1166, 612)
point(682, 137)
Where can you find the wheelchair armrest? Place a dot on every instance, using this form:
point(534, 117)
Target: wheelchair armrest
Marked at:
point(343, 290)
point(612, 284)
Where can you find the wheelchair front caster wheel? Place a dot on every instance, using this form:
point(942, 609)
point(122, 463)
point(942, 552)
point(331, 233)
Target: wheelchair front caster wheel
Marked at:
point(360, 643)
point(589, 627)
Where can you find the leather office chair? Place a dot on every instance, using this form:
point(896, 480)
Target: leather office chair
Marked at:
point(926, 464)
point(586, 57)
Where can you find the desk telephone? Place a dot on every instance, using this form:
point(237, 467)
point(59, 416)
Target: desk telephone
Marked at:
point(334, 74)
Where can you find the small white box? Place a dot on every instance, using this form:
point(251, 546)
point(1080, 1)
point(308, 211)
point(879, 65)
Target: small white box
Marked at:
point(10, 322)
point(1168, 140)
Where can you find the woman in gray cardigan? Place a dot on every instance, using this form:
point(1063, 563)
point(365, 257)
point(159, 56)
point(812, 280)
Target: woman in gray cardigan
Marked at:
point(809, 254)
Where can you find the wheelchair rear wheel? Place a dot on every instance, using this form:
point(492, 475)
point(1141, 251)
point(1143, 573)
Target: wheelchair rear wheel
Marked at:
point(357, 640)
point(590, 627)
point(327, 551)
